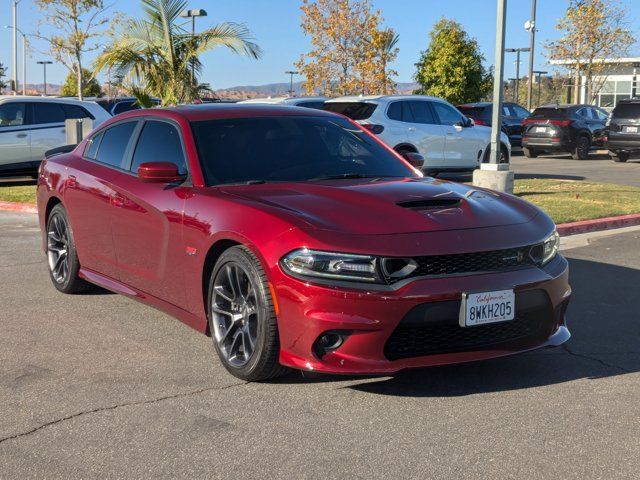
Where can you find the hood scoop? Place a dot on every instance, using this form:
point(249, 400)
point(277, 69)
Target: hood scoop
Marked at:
point(429, 203)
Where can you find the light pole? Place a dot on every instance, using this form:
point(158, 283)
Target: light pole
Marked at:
point(538, 73)
point(512, 82)
point(24, 60)
point(192, 14)
point(44, 64)
point(530, 26)
point(291, 73)
point(15, 45)
point(517, 51)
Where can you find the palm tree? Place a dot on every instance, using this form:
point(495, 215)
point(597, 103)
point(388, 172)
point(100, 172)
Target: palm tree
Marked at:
point(155, 54)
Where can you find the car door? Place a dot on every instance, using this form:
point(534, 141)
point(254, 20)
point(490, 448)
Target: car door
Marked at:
point(147, 218)
point(425, 132)
point(600, 121)
point(15, 150)
point(462, 144)
point(47, 119)
point(90, 193)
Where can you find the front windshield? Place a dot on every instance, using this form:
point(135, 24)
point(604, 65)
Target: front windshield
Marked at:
point(290, 148)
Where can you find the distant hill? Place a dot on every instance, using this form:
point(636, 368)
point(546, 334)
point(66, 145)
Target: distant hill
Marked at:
point(279, 89)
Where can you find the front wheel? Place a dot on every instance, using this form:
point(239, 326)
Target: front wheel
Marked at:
point(242, 317)
point(529, 152)
point(581, 150)
point(620, 156)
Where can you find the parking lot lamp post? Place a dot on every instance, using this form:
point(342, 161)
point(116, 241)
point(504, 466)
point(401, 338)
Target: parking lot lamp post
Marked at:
point(44, 64)
point(15, 45)
point(496, 175)
point(512, 82)
point(291, 73)
point(24, 61)
point(192, 14)
point(538, 73)
point(517, 52)
point(530, 26)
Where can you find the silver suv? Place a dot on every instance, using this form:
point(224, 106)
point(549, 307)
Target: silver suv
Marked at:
point(437, 130)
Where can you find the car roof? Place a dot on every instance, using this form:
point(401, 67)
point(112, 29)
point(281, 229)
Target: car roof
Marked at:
point(33, 98)
point(382, 98)
point(282, 100)
point(212, 111)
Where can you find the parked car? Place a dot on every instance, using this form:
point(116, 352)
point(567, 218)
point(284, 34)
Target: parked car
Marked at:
point(623, 131)
point(512, 117)
point(447, 139)
point(296, 239)
point(29, 126)
point(309, 102)
point(563, 128)
point(117, 105)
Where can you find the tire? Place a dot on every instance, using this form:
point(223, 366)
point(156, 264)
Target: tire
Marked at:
point(504, 154)
point(581, 150)
point(62, 258)
point(242, 318)
point(619, 156)
point(529, 152)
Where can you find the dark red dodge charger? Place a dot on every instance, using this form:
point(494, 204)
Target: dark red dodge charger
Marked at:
point(295, 238)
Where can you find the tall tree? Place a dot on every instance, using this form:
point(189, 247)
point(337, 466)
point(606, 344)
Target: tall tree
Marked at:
point(90, 86)
point(75, 26)
point(452, 65)
point(348, 54)
point(593, 30)
point(155, 53)
point(3, 73)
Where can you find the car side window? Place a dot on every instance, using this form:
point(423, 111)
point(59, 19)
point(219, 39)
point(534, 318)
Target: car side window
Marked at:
point(92, 146)
point(159, 142)
point(422, 112)
point(114, 144)
point(448, 115)
point(394, 112)
point(520, 112)
point(48, 112)
point(599, 114)
point(75, 111)
point(12, 114)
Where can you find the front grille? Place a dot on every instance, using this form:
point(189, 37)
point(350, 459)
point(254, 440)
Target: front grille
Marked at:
point(477, 262)
point(433, 328)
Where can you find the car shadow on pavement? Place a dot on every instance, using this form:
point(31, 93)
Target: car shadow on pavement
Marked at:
point(604, 324)
point(521, 176)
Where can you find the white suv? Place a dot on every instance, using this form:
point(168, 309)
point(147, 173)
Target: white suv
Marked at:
point(437, 130)
point(309, 102)
point(29, 126)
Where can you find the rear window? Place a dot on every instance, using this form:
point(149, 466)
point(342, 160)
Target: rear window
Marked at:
point(472, 111)
point(550, 112)
point(353, 110)
point(627, 110)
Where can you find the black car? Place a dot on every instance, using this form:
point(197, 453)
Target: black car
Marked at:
point(512, 116)
point(623, 132)
point(563, 128)
point(121, 104)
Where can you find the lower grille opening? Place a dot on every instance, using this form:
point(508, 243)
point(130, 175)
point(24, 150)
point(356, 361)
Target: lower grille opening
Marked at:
point(433, 328)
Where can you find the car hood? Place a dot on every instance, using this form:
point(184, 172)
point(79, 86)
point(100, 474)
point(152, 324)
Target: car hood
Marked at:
point(387, 207)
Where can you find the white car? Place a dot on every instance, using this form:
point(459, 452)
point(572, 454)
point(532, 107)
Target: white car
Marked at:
point(29, 126)
point(430, 126)
point(309, 102)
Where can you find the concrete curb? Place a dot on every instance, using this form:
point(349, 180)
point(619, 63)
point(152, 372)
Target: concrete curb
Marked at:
point(564, 229)
point(608, 223)
point(19, 207)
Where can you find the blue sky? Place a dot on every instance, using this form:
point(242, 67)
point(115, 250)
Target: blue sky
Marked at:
point(276, 27)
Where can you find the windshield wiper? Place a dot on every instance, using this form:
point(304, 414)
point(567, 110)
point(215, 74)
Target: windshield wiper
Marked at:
point(343, 175)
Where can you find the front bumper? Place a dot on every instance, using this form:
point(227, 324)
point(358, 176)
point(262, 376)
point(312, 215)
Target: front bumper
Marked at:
point(372, 316)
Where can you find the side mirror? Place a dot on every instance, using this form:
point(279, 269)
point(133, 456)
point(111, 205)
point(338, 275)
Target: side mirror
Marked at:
point(470, 122)
point(415, 159)
point(159, 172)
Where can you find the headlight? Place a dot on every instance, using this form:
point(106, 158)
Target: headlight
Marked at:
point(337, 266)
point(550, 247)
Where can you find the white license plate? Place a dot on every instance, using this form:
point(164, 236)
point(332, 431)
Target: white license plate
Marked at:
point(631, 129)
point(541, 129)
point(487, 307)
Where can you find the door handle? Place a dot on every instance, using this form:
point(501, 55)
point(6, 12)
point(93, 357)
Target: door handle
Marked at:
point(71, 181)
point(117, 200)
point(21, 135)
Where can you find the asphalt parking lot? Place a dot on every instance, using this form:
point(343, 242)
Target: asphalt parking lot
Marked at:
point(101, 386)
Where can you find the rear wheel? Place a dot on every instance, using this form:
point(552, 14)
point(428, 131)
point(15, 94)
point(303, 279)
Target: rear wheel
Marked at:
point(581, 150)
point(242, 317)
point(62, 258)
point(619, 156)
point(529, 152)
point(503, 157)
